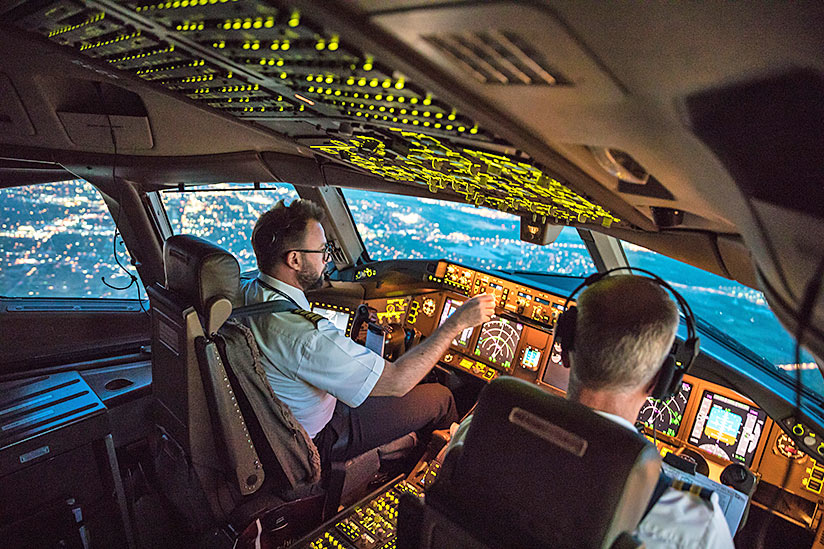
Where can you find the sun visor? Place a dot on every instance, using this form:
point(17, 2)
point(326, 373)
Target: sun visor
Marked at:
point(769, 134)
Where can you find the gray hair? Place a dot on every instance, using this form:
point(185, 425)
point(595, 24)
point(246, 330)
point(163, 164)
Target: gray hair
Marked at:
point(625, 327)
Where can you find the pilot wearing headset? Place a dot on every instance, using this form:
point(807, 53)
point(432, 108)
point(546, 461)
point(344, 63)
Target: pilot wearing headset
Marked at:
point(348, 398)
point(615, 345)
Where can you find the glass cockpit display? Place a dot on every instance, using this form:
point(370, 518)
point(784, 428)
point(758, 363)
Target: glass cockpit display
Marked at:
point(666, 416)
point(339, 318)
point(498, 341)
point(727, 428)
point(450, 307)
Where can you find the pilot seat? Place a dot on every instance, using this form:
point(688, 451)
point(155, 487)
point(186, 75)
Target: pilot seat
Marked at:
point(534, 470)
point(227, 449)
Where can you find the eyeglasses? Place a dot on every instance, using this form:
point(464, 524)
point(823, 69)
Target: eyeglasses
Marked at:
point(326, 251)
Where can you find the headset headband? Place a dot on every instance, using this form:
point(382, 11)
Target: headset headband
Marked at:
point(689, 318)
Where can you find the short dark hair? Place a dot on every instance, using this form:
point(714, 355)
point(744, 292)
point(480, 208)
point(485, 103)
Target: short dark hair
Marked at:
point(280, 229)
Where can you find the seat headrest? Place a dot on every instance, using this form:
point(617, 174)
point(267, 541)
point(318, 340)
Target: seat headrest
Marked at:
point(201, 272)
point(544, 471)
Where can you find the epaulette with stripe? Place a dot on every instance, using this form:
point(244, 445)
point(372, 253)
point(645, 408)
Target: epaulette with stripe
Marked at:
point(314, 318)
point(682, 486)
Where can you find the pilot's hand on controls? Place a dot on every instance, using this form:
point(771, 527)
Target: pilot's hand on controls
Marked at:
point(475, 311)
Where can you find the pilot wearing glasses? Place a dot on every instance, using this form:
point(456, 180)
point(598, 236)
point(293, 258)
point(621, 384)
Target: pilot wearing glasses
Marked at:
point(348, 398)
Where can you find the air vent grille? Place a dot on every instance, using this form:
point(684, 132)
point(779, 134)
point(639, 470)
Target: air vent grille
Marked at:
point(496, 57)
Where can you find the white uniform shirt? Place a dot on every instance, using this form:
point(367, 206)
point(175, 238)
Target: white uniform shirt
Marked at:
point(681, 520)
point(309, 367)
point(678, 520)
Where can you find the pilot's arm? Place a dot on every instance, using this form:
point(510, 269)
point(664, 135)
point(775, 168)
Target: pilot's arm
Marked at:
point(400, 376)
point(326, 359)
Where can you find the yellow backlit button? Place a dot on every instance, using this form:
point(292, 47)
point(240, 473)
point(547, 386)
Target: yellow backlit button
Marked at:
point(798, 429)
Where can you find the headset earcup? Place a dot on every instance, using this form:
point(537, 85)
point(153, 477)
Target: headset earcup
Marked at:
point(565, 328)
point(663, 385)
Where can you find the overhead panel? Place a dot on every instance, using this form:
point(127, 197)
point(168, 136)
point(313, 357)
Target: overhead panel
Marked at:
point(268, 63)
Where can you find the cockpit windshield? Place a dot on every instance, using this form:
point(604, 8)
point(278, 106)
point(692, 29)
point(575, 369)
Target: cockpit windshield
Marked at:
point(735, 310)
point(403, 227)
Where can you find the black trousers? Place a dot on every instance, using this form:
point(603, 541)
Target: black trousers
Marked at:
point(378, 420)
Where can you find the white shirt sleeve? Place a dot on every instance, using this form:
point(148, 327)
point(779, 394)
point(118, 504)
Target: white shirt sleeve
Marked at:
point(680, 520)
point(334, 363)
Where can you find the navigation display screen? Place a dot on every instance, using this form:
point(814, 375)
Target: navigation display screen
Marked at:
point(498, 340)
point(727, 428)
point(450, 307)
point(666, 416)
point(339, 318)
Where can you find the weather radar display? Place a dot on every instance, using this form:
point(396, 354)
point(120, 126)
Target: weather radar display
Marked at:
point(666, 416)
point(498, 340)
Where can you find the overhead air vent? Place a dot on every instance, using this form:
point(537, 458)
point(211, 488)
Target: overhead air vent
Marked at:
point(633, 178)
point(496, 57)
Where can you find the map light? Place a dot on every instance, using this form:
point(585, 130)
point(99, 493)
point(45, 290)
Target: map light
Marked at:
point(535, 232)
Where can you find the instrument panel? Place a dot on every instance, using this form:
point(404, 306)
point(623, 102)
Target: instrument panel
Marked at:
point(704, 419)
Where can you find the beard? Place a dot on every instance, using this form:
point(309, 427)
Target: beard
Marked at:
point(310, 279)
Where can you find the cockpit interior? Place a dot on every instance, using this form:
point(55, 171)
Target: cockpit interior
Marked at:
point(457, 148)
